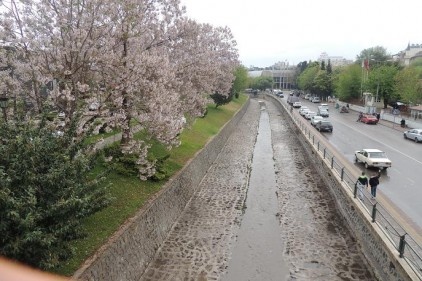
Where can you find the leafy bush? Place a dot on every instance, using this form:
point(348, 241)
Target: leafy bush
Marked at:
point(220, 99)
point(46, 189)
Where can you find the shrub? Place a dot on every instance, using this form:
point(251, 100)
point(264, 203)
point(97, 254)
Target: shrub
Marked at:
point(46, 189)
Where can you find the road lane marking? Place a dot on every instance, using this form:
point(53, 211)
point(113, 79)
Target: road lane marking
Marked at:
point(384, 144)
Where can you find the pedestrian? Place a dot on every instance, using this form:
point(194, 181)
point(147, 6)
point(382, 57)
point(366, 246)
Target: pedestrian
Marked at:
point(374, 182)
point(360, 116)
point(378, 116)
point(361, 183)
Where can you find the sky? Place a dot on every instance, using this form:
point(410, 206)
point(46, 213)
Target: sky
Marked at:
point(271, 31)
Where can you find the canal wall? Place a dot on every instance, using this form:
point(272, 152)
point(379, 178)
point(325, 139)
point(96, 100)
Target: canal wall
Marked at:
point(379, 252)
point(129, 251)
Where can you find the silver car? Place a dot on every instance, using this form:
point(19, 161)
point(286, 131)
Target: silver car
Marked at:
point(414, 134)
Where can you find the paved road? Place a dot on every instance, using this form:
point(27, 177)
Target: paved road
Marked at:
point(211, 241)
point(400, 184)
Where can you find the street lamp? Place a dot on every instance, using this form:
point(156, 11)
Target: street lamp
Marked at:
point(3, 106)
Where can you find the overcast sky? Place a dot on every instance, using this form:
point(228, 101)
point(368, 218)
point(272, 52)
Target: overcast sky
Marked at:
point(269, 31)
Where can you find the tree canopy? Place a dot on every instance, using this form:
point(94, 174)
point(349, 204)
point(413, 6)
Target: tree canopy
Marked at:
point(142, 61)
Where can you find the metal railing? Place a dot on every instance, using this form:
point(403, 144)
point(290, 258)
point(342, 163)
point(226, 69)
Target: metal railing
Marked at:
point(408, 249)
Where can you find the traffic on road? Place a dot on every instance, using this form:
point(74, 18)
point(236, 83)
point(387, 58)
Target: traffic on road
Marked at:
point(400, 183)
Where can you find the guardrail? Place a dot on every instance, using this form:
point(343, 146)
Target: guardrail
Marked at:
point(408, 249)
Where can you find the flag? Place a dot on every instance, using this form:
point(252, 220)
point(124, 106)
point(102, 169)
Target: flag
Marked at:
point(365, 64)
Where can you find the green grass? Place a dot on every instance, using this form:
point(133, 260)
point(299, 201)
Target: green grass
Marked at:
point(129, 193)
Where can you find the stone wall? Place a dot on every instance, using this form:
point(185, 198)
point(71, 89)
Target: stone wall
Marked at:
point(380, 253)
point(129, 251)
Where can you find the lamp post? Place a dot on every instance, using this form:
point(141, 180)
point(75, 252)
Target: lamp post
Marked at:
point(3, 106)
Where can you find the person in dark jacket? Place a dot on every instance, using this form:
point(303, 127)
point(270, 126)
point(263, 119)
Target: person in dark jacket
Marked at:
point(374, 182)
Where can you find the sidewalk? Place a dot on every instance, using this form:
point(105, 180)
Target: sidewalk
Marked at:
point(392, 125)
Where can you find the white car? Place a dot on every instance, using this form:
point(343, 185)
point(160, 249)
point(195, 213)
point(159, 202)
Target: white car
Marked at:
point(316, 100)
point(310, 114)
point(303, 109)
point(414, 134)
point(315, 119)
point(324, 106)
point(323, 112)
point(297, 104)
point(373, 158)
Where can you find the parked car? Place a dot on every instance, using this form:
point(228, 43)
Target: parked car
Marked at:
point(303, 109)
point(310, 114)
point(297, 104)
point(307, 96)
point(324, 125)
point(369, 119)
point(315, 119)
point(323, 112)
point(373, 158)
point(414, 134)
point(316, 100)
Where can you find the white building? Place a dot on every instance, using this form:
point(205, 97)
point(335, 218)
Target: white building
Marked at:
point(334, 60)
point(412, 52)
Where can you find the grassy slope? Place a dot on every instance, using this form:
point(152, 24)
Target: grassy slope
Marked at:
point(130, 194)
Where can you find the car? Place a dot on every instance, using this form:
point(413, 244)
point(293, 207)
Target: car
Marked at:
point(324, 125)
point(304, 112)
point(302, 109)
point(307, 96)
point(324, 106)
point(414, 134)
point(368, 119)
point(373, 158)
point(323, 112)
point(316, 100)
point(297, 104)
point(61, 115)
point(310, 114)
point(315, 119)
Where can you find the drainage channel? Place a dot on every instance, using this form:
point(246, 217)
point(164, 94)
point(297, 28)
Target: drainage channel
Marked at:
point(258, 254)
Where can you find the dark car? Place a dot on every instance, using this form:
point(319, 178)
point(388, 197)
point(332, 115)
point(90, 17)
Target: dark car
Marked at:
point(324, 125)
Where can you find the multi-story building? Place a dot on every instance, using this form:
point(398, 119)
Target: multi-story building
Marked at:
point(282, 78)
point(334, 60)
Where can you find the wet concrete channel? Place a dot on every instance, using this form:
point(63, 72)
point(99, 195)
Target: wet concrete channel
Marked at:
point(258, 253)
point(260, 213)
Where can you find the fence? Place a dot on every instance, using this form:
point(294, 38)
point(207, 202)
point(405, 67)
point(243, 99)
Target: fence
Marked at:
point(408, 249)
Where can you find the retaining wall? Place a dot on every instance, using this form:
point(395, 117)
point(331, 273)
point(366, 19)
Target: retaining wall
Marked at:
point(379, 252)
point(127, 254)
